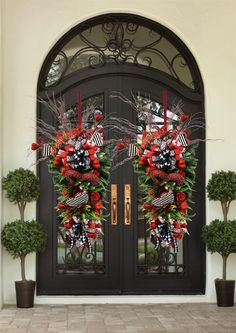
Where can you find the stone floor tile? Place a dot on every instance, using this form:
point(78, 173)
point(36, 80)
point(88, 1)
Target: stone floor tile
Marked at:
point(119, 318)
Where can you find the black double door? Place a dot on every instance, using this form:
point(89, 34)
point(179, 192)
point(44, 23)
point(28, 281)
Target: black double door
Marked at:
point(124, 261)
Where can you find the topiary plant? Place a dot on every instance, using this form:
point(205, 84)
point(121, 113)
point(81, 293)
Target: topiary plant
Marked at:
point(222, 187)
point(22, 186)
point(220, 236)
point(23, 237)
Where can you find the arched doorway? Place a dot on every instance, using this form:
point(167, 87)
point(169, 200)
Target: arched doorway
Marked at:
point(136, 57)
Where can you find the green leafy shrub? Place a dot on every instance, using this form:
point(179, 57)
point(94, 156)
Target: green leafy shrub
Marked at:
point(21, 186)
point(220, 236)
point(21, 238)
point(222, 186)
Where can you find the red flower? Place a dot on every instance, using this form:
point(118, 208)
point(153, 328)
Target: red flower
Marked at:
point(95, 196)
point(147, 206)
point(92, 157)
point(92, 150)
point(177, 225)
point(99, 117)
point(153, 225)
point(98, 205)
point(120, 146)
point(57, 161)
point(91, 235)
point(178, 150)
point(184, 117)
point(154, 147)
point(68, 224)
point(149, 154)
point(180, 196)
point(172, 146)
point(59, 134)
point(150, 192)
point(86, 146)
point(183, 205)
point(64, 153)
point(34, 146)
point(177, 235)
point(96, 164)
point(92, 225)
point(183, 211)
point(142, 161)
point(61, 206)
point(69, 148)
point(181, 164)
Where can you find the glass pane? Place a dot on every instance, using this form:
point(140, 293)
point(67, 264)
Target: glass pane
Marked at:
point(150, 259)
point(78, 260)
point(119, 42)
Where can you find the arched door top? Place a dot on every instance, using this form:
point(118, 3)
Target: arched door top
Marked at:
point(120, 39)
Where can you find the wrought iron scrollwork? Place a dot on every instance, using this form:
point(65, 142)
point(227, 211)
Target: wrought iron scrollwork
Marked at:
point(119, 42)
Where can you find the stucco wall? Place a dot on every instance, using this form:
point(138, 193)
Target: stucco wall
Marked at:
point(32, 27)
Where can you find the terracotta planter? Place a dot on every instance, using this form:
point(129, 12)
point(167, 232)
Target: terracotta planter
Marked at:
point(25, 293)
point(225, 292)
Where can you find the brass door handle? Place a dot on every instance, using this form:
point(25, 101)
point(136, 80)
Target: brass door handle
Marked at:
point(127, 203)
point(114, 204)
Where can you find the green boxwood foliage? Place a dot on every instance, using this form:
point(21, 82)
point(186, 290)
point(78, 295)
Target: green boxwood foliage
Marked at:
point(23, 237)
point(220, 237)
point(21, 186)
point(222, 186)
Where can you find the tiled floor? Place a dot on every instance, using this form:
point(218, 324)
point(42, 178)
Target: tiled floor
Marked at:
point(109, 318)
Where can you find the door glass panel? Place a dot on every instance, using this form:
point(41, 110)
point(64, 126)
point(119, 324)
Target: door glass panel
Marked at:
point(151, 259)
point(120, 42)
point(78, 260)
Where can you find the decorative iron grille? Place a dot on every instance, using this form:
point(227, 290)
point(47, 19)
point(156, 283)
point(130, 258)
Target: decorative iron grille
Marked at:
point(119, 41)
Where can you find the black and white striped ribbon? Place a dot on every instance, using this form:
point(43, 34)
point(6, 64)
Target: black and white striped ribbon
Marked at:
point(78, 199)
point(132, 151)
point(164, 199)
point(97, 139)
point(182, 140)
point(46, 150)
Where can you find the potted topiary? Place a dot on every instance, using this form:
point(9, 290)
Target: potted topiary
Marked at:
point(22, 237)
point(220, 236)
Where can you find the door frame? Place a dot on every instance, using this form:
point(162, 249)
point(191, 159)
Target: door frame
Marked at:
point(82, 77)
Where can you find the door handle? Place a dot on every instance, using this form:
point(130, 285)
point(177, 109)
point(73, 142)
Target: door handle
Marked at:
point(114, 204)
point(127, 196)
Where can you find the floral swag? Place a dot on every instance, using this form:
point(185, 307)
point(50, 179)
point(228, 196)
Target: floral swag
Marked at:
point(80, 162)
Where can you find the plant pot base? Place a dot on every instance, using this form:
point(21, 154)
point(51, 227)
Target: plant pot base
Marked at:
point(25, 293)
point(225, 292)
